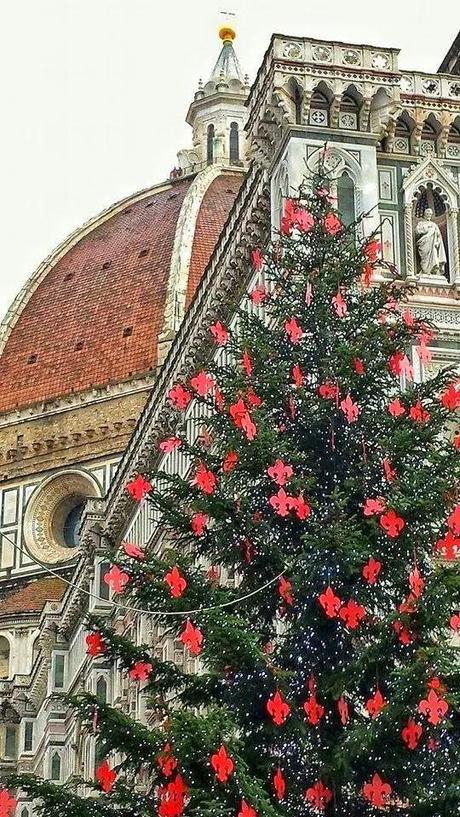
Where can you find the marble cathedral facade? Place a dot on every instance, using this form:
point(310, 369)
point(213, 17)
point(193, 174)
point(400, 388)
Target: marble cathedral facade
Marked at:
point(391, 141)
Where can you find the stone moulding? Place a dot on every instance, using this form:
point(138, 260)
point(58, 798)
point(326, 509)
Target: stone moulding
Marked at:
point(223, 276)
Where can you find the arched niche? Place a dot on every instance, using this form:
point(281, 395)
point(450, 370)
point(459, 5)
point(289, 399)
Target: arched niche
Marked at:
point(345, 179)
point(350, 107)
point(378, 111)
point(429, 186)
point(320, 105)
point(280, 188)
point(295, 94)
point(401, 140)
point(453, 140)
point(430, 134)
point(4, 657)
point(430, 199)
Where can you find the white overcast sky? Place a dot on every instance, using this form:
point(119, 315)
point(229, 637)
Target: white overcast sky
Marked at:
point(94, 94)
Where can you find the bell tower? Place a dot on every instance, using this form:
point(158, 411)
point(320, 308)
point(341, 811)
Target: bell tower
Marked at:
point(217, 114)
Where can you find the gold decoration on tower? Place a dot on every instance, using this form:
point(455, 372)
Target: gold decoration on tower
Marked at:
point(227, 34)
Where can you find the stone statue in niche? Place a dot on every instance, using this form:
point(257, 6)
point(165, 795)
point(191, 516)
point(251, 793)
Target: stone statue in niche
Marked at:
point(430, 246)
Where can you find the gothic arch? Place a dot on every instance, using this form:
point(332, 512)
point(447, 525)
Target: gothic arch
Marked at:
point(431, 175)
point(351, 103)
point(280, 192)
point(295, 93)
point(379, 111)
point(5, 655)
point(321, 100)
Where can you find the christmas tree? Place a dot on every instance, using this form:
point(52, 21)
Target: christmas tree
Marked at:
point(308, 565)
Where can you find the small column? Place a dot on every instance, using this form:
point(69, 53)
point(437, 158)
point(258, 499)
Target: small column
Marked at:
point(455, 256)
point(409, 240)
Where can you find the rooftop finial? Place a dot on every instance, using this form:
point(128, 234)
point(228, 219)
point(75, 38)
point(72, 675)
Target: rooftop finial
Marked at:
point(227, 34)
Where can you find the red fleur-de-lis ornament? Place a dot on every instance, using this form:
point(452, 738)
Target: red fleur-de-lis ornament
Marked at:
point(7, 804)
point(229, 462)
point(192, 637)
point(202, 383)
point(280, 503)
point(416, 583)
point(396, 408)
point(375, 704)
point(372, 507)
point(95, 644)
point(205, 479)
point(222, 764)
point(449, 546)
point(313, 710)
point(257, 259)
point(170, 444)
point(199, 523)
point(166, 761)
point(350, 409)
point(116, 579)
point(179, 396)
point(392, 523)
point(279, 784)
point(330, 603)
point(219, 333)
point(176, 582)
point(140, 671)
point(297, 376)
point(246, 810)
point(343, 710)
point(339, 304)
point(278, 709)
point(318, 795)
point(139, 487)
point(454, 622)
point(434, 708)
point(280, 472)
point(411, 734)
point(285, 591)
point(294, 332)
point(352, 614)
point(371, 570)
point(377, 792)
point(258, 295)
point(106, 776)
point(133, 551)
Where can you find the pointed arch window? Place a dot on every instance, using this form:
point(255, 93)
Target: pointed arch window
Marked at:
point(101, 690)
point(453, 142)
point(346, 198)
point(319, 109)
point(428, 140)
point(4, 657)
point(210, 144)
point(401, 142)
point(349, 110)
point(55, 766)
point(234, 142)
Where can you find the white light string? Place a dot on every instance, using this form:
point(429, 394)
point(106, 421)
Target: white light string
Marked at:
point(130, 609)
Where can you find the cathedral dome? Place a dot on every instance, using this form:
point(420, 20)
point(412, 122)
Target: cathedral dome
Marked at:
point(93, 313)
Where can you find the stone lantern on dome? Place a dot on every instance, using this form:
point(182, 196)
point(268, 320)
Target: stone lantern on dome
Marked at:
point(217, 114)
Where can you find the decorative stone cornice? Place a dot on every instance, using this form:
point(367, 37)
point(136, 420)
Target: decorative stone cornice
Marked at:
point(372, 73)
point(69, 402)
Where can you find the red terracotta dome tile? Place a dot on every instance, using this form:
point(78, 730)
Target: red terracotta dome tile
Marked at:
point(94, 319)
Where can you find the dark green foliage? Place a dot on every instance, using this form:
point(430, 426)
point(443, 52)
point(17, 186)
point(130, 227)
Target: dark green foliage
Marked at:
point(251, 648)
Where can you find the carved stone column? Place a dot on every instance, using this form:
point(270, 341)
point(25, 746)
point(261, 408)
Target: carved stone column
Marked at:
point(409, 240)
point(455, 254)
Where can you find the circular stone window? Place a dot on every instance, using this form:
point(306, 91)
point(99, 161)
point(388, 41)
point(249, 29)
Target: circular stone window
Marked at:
point(54, 513)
